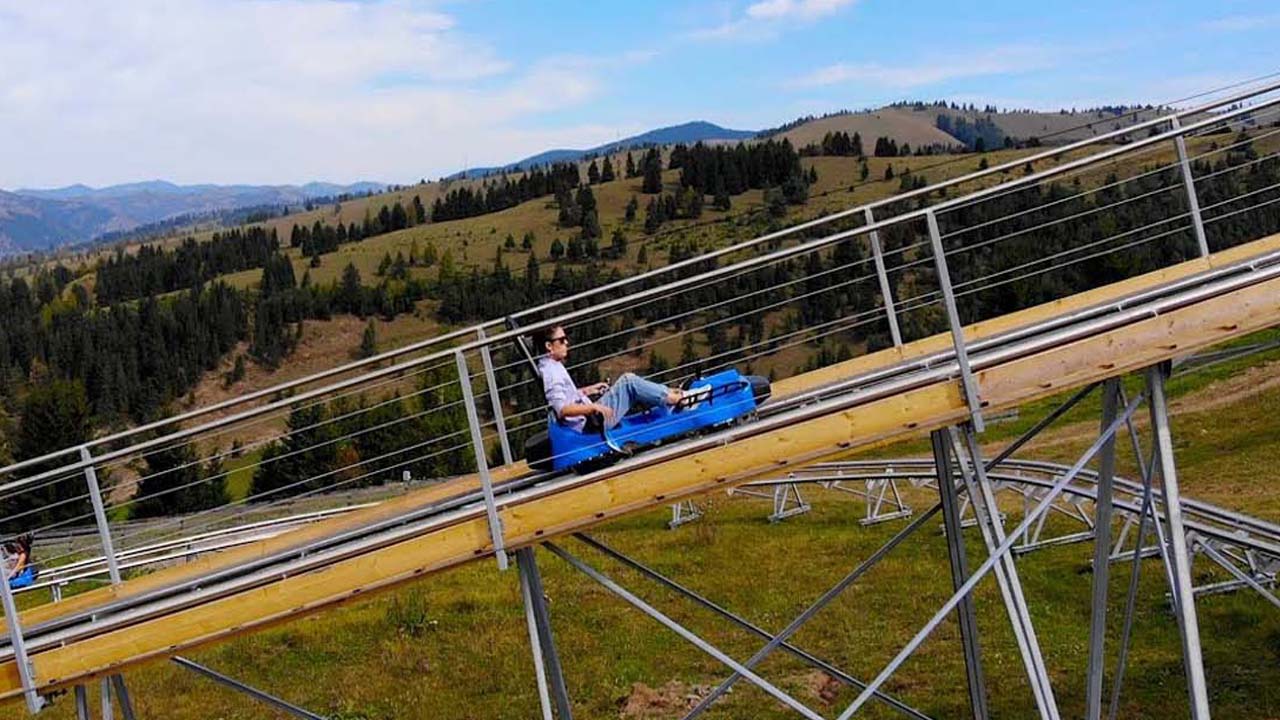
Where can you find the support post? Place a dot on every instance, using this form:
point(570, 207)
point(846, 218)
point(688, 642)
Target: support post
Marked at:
point(499, 420)
point(113, 571)
point(987, 513)
point(1188, 626)
point(482, 462)
point(100, 515)
point(25, 672)
point(122, 695)
point(965, 613)
point(966, 590)
point(82, 703)
point(1189, 181)
point(546, 659)
point(957, 328)
point(108, 712)
point(1102, 508)
point(886, 290)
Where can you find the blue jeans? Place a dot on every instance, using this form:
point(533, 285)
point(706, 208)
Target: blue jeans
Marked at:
point(628, 390)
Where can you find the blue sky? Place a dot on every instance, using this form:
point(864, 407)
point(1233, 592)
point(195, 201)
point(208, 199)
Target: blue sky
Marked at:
point(296, 90)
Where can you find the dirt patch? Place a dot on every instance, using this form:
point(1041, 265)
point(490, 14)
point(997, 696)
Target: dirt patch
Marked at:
point(818, 685)
point(670, 700)
point(1239, 386)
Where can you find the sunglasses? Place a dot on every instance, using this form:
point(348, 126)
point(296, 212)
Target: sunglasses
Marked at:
point(562, 339)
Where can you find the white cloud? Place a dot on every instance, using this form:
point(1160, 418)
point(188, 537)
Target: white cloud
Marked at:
point(266, 91)
point(803, 9)
point(1242, 23)
point(765, 18)
point(998, 61)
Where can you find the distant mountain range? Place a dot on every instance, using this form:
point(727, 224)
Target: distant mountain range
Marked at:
point(690, 132)
point(33, 219)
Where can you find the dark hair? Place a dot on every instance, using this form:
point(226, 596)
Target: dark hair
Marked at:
point(544, 336)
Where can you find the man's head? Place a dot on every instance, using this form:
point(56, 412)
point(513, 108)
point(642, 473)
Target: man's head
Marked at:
point(554, 342)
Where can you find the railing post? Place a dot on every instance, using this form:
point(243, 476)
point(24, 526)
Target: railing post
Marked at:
point(1189, 181)
point(100, 515)
point(25, 672)
point(953, 318)
point(886, 291)
point(482, 462)
point(500, 422)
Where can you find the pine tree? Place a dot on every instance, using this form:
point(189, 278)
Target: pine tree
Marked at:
point(618, 243)
point(368, 342)
point(631, 166)
point(510, 242)
point(633, 206)
point(652, 182)
point(593, 173)
point(606, 172)
point(527, 242)
point(429, 255)
point(557, 249)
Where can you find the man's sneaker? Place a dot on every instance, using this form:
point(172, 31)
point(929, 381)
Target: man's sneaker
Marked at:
point(695, 396)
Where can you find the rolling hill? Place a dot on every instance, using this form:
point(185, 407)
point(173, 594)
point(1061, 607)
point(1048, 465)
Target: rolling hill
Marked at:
point(690, 132)
point(32, 219)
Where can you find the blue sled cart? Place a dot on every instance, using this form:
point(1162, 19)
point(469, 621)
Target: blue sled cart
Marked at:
point(732, 397)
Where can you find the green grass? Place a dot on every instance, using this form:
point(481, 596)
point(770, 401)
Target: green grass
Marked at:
point(454, 645)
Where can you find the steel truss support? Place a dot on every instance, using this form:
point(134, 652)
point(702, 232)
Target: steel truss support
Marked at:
point(815, 607)
point(546, 660)
point(1185, 607)
point(1103, 505)
point(685, 511)
point(786, 497)
point(991, 524)
point(682, 631)
point(252, 692)
point(879, 494)
point(987, 565)
point(741, 622)
point(106, 687)
point(966, 615)
point(1226, 563)
point(788, 502)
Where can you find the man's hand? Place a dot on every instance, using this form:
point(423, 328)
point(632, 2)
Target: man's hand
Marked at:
point(597, 389)
point(605, 411)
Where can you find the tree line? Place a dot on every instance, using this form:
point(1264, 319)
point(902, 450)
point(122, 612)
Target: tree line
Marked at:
point(154, 270)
